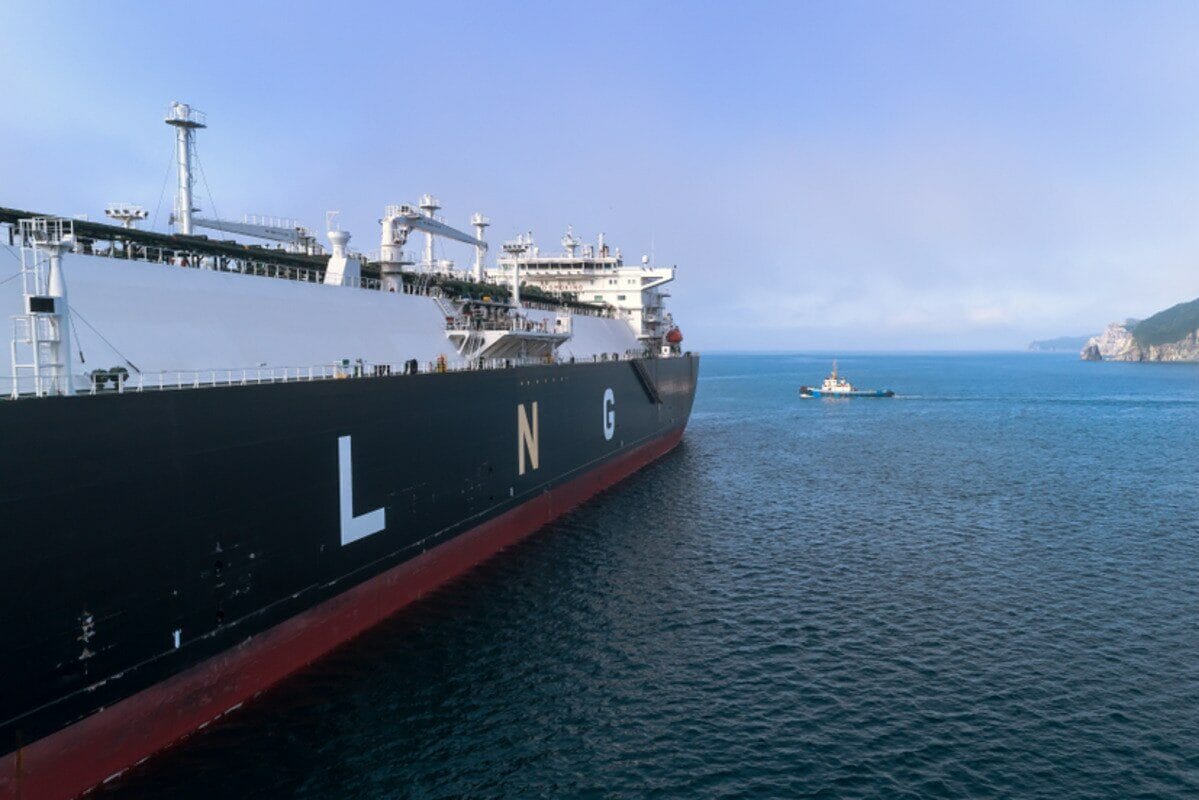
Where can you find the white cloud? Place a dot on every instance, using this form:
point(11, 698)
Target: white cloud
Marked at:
point(948, 237)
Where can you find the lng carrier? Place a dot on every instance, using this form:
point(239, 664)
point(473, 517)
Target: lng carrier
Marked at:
point(221, 460)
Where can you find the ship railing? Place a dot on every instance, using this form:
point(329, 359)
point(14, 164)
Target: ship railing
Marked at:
point(177, 257)
point(240, 266)
point(578, 310)
point(119, 381)
point(461, 323)
point(198, 379)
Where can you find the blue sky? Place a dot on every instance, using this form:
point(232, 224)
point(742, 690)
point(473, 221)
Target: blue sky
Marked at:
point(826, 175)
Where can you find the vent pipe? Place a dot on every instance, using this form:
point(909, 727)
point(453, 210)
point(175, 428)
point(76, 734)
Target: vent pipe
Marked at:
point(480, 222)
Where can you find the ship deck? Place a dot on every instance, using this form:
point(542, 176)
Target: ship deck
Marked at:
point(97, 238)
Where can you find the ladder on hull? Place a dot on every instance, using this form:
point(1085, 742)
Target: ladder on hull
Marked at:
point(447, 308)
point(39, 345)
point(647, 381)
point(36, 345)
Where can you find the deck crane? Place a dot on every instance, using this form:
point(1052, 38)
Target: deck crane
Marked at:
point(297, 238)
point(399, 221)
point(186, 121)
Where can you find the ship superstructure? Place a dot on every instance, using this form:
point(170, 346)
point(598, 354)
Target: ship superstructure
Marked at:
point(222, 459)
point(593, 274)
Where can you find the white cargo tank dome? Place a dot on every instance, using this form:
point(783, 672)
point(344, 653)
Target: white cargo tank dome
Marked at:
point(339, 240)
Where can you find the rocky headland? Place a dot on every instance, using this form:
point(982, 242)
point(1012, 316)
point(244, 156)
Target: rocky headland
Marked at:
point(1170, 335)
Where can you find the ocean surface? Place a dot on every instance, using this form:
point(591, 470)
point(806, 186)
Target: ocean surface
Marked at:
point(986, 587)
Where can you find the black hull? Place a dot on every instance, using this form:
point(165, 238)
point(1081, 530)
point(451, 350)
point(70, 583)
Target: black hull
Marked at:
point(218, 513)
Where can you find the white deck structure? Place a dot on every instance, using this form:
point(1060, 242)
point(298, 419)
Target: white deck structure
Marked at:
point(592, 274)
point(208, 312)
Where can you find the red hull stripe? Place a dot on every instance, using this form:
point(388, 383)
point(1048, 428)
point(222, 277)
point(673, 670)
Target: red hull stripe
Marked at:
point(75, 759)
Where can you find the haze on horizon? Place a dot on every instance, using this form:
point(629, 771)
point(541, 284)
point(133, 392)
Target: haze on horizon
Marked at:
point(839, 175)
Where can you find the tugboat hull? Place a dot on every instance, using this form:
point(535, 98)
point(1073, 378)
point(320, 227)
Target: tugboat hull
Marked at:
point(807, 392)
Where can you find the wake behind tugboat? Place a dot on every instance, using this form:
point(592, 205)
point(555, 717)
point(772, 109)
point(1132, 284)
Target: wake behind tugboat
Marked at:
point(836, 386)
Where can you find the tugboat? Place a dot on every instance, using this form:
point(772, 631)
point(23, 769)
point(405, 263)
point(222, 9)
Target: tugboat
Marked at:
point(836, 386)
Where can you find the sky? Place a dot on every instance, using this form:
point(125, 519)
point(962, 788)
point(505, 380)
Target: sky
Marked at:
point(826, 175)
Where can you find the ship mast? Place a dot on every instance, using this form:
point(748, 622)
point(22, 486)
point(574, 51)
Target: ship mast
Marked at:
point(480, 222)
point(429, 205)
point(185, 120)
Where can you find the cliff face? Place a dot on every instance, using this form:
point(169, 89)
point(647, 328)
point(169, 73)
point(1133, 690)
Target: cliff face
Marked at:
point(1185, 350)
point(1116, 343)
point(1120, 342)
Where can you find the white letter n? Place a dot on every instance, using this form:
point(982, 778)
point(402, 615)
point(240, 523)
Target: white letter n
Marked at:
point(353, 528)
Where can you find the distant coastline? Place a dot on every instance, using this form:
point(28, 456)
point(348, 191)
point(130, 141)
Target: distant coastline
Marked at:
point(1061, 344)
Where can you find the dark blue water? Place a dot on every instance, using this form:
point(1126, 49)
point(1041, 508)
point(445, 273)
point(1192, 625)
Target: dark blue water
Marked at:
point(988, 587)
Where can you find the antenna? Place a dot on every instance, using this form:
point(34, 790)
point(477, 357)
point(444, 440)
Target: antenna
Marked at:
point(570, 241)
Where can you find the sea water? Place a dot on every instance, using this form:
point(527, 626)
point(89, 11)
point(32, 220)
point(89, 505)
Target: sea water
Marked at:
point(985, 587)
